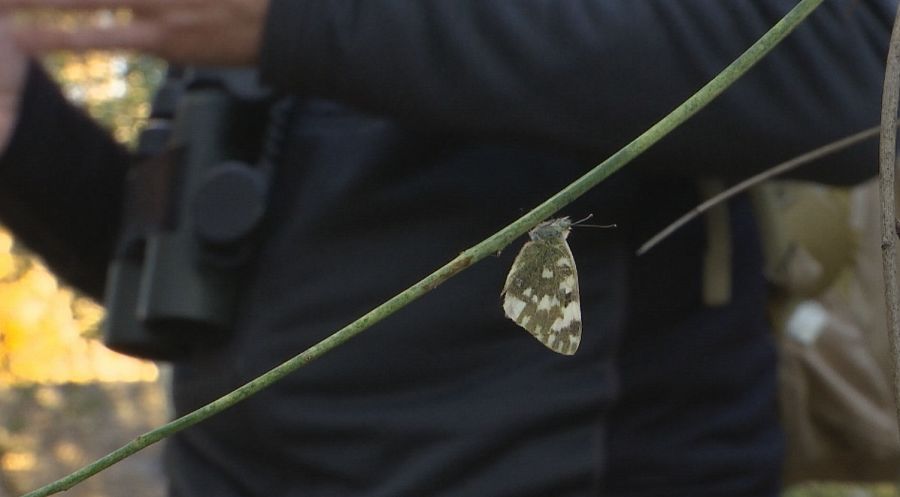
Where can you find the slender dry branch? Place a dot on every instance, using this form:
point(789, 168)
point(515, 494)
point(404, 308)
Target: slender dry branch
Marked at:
point(887, 163)
point(489, 246)
point(756, 179)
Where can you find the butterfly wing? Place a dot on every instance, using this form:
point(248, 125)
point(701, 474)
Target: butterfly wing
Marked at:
point(541, 294)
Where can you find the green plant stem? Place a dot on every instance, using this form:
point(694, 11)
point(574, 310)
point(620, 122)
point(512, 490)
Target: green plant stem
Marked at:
point(489, 246)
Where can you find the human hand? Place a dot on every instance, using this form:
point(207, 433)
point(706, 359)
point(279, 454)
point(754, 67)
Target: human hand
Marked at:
point(190, 32)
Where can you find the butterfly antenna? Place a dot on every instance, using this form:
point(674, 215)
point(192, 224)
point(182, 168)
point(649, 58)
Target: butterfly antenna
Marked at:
point(583, 219)
point(580, 224)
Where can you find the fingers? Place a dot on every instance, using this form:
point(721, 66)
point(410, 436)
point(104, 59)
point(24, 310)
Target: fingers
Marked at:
point(205, 32)
point(135, 36)
point(80, 4)
point(37, 37)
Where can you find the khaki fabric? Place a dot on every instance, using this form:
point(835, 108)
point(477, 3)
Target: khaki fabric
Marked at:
point(822, 248)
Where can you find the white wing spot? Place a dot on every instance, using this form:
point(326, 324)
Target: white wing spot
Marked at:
point(574, 341)
point(558, 324)
point(568, 283)
point(563, 262)
point(544, 304)
point(547, 302)
point(571, 313)
point(547, 273)
point(524, 321)
point(528, 291)
point(538, 329)
point(513, 306)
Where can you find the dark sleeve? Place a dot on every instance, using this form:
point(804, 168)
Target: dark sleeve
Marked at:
point(61, 183)
point(590, 75)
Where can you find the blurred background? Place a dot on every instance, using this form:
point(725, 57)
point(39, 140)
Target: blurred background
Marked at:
point(65, 400)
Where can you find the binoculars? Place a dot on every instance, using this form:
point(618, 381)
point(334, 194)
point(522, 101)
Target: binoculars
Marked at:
point(193, 205)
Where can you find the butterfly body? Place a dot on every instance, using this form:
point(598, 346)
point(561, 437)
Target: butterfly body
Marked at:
point(541, 290)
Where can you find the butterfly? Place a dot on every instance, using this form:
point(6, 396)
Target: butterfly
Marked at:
point(541, 290)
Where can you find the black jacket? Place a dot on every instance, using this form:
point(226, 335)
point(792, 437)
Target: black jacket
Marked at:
point(424, 126)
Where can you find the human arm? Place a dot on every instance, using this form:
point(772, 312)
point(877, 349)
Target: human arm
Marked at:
point(590, 75)
point(582, 76)
point(60, 178)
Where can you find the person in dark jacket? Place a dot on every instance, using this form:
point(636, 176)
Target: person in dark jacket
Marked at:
point(422, 127)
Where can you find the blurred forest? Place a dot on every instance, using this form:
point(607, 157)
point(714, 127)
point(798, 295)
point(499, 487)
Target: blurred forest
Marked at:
point(58, 384)
point(46, 329)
